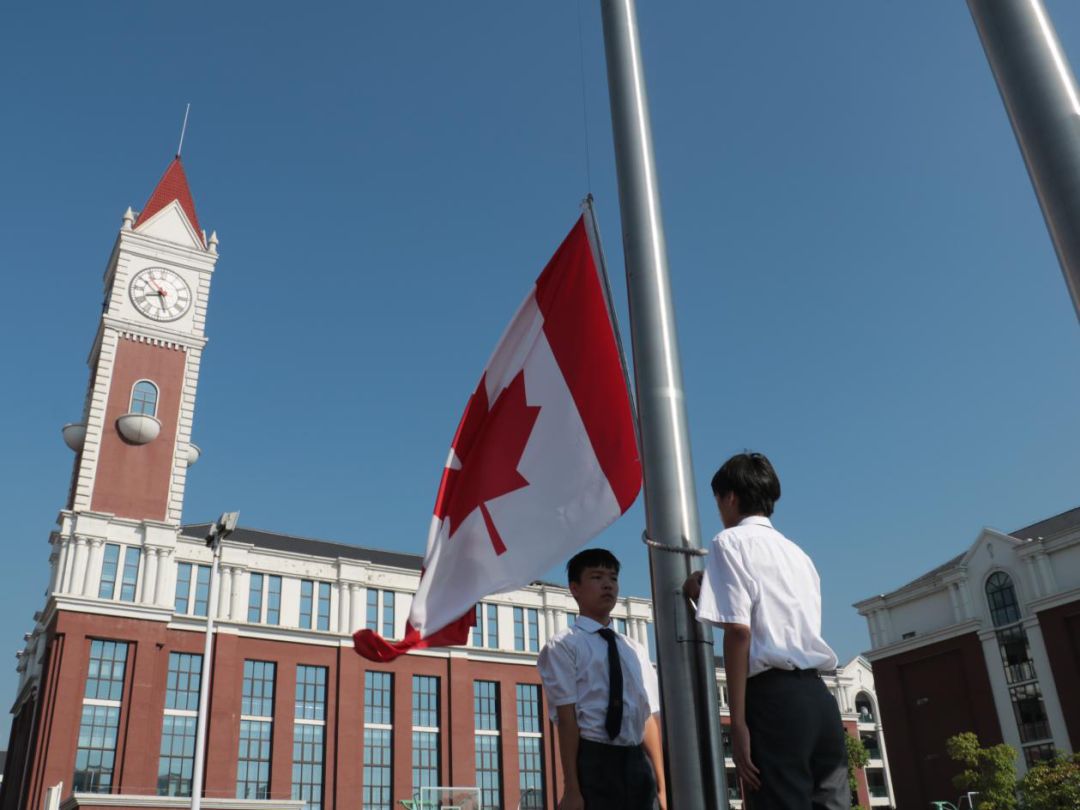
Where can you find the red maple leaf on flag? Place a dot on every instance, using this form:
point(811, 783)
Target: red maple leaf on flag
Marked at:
point(488, 445)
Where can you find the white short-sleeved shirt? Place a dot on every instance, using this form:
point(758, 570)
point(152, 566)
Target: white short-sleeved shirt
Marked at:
point(757, 577)
point(574, 668)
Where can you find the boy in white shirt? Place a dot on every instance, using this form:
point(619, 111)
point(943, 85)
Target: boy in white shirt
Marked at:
point(603, 696)
point(765, 593)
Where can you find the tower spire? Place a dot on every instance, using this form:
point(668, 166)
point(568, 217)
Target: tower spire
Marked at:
point(183, 129)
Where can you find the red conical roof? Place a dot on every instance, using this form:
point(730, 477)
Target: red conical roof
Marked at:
point(173, 185)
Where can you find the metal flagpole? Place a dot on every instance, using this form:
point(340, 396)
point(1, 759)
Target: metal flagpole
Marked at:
point(1039, 91)
point(691, 717)
point(218, 532)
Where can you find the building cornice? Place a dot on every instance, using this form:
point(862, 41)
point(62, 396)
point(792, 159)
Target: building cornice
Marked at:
point(914, 643)
point(103, 607)
point(146, 332)
point(1054, 600)
point(154, 248)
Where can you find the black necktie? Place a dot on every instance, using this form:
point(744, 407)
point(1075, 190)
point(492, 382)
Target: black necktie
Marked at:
point(613, 720)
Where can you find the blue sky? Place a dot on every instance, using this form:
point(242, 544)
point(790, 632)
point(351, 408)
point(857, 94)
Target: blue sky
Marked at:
point(864, 285)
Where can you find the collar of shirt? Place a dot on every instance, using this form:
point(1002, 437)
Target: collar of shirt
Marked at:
point(590, 625)
point(756, 520)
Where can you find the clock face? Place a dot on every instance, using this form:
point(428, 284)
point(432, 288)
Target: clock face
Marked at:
point(160, 294)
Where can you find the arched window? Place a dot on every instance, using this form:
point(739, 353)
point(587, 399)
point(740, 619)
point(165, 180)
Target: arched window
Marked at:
point(144, 396)
point(865, 707)
point(1001, 596)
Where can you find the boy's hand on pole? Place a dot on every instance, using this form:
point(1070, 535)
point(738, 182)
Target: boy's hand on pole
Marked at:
point(692, 586)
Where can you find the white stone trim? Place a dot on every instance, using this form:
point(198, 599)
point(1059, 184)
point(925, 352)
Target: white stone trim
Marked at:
point(1048, 687)
point(1055, 600)
point(915, 642)
point(95, 420)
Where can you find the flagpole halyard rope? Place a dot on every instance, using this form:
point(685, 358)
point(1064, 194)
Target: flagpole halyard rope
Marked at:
point(689, 552)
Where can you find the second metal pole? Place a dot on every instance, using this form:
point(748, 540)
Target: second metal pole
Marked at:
point(691, 717)
point(1040, 95)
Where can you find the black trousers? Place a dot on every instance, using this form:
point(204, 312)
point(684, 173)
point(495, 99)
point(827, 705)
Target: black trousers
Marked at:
point(797, 742)
point(615, 777)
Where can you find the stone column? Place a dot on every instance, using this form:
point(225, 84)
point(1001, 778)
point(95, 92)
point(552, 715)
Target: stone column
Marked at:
point(354, 606)
point(62, 557)
point(549, 623)
point(149, 577)
point(224, 592)
point(163, 567)
point(78, 567)
point(1049, 580)
point(96, 558)
point(343, 607)
point(236, 604)
point(957, 606)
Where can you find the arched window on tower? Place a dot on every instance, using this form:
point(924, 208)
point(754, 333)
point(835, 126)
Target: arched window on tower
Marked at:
point(1001, 596)
point(144, 396)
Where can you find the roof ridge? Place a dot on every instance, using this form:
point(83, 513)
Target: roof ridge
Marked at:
point(311, 539)
point(173, 185)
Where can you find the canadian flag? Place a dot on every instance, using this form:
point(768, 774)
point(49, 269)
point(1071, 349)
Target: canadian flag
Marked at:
point(545, 456)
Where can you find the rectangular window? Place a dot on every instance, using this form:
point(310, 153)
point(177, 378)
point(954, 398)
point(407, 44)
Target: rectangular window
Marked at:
point(519, 628)
point(378, 740)
point(253, 763)
point(372, 622)
point(533, 618)
point(95, 756)
point(255, 598)
point(273, 600)
point(380, 612)
point(425, 732)
point(108, 571)
point(183, 587)
point(257, 697)
point(202, 589)
point(571, 618)
point(388, 614)
point(309, 733)
point(530, 747)
point(478, 628)
point(1030, 712)
point(526, 629)
point(177, 755)
point(620, 626)
point(492, 627)
point(324, 606)
point(307, 588)
point(131, 573)
point(256, 730)
point(486, 631)
point(488, 755)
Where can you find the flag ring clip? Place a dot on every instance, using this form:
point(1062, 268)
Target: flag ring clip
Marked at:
point(687, 550)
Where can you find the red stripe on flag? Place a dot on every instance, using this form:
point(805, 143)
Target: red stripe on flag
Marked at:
point(374, 647)
point(579, 331)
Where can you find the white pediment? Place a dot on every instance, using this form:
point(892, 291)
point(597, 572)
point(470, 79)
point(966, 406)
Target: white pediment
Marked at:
point(171, 224)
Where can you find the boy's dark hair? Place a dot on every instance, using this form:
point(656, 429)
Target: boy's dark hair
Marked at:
point(753, 480)
point(590, 558)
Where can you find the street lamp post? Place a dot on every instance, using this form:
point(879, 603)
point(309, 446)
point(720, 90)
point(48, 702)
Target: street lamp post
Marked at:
point(218, 532)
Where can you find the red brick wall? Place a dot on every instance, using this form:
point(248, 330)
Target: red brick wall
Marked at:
point(1061, 633)
point(133, 481)
point(143, 705)
point(925, 696)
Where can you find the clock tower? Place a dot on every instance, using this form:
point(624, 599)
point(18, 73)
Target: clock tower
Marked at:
point(134, 443)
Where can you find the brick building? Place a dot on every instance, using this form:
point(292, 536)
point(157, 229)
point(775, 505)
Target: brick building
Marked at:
point(988, 642)
point(108, 696)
